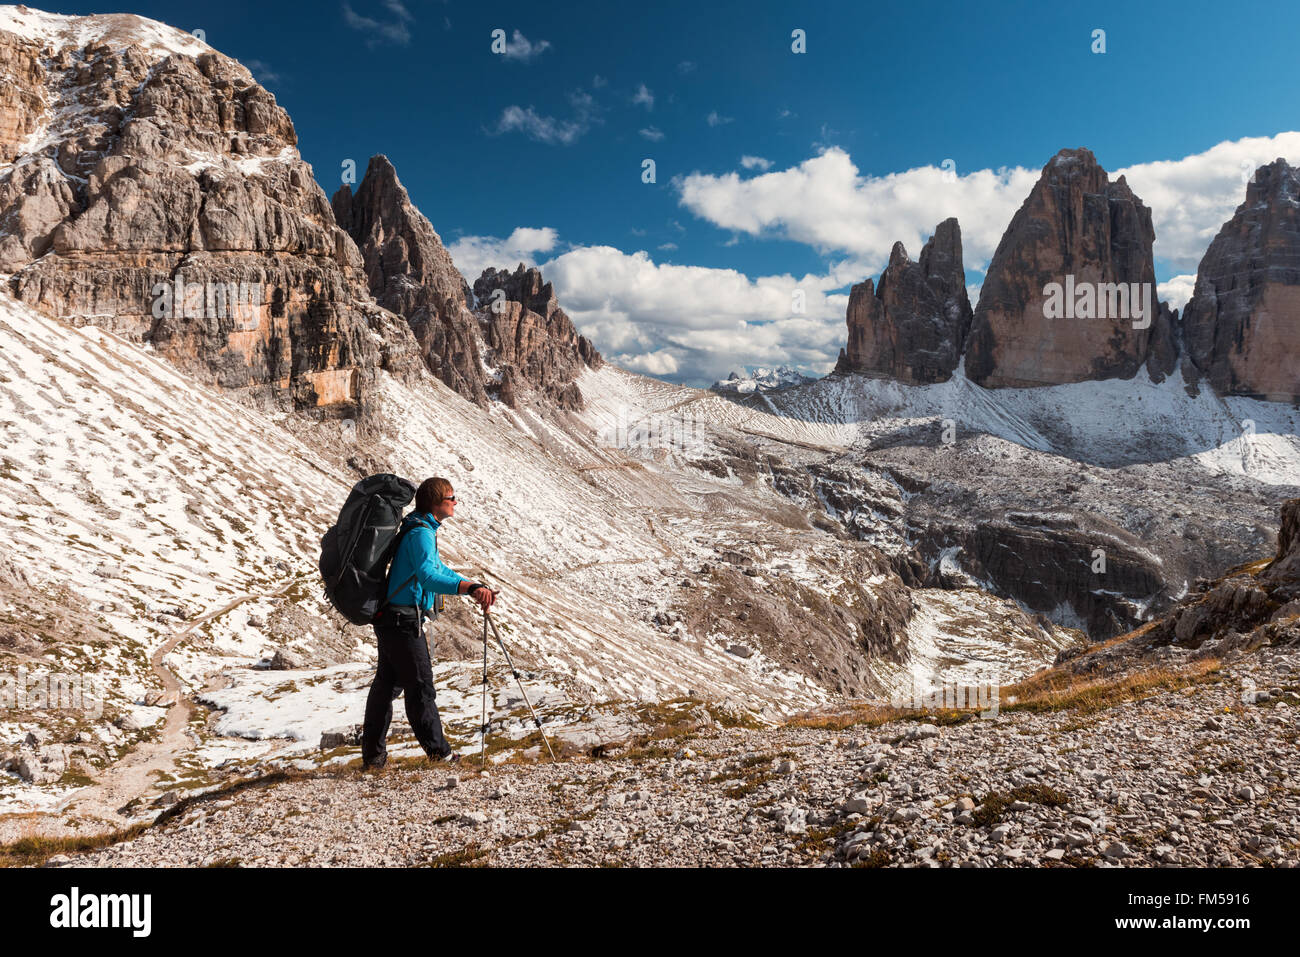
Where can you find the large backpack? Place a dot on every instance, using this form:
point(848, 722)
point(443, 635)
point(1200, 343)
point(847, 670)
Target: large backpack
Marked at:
point(356, 552)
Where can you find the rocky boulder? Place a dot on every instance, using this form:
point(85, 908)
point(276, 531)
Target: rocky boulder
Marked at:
point(1253, 606)
point(1242, 323)
point(914, 326)
point(531, 342)
point(1070, 293)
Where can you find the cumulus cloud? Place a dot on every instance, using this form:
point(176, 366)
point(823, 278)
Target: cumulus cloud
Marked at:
point(827, 203)
point(1192, 197)
point(520, 49)
point(709, 321)
point(652, 133)
point(391, 29)
point(717, 119)
point(644, 97)
point(473, 254)
point(756, 162)
point(660, 363)
point(1177, 291)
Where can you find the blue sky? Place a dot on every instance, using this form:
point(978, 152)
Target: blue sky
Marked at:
point(551, 139)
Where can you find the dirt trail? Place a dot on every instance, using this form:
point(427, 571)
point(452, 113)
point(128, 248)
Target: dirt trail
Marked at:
point(131, 776)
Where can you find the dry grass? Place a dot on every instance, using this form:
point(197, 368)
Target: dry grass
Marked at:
point(851, 715)
point(1053, 689)
point(1249, 568)
point(1058, 690)
point(35, 850)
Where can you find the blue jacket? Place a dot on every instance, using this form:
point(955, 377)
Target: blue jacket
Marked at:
point(418, 556)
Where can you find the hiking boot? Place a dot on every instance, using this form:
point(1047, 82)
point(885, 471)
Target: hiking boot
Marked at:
point(374, 764)
point(451, 757)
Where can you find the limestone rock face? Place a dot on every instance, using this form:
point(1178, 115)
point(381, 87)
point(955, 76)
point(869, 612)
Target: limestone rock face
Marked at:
point(155, 188)
point(1247, 608)
point(914, 326)
point(1242, 324)
point(531, 341)
point(1285, 567)
point(1083, 232)
point(410, 272)
point(1163, 348)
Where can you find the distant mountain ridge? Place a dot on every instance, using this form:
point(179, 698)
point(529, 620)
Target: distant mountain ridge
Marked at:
point(761, 379)
point(1078, 231)
point(136, 160)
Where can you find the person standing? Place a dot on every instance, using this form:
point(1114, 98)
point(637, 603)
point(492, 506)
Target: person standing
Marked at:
point(417, 579)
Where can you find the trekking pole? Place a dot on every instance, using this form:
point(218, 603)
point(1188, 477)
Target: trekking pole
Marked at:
point(536, 720)
point(483, 725)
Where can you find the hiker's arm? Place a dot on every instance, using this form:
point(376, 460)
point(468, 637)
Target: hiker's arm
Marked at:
point(436, 577)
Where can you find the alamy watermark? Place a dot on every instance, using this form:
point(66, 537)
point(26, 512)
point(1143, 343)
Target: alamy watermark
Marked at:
point(27, 691)
point(986, 697)
point(681, 432)
point(179, 299)
point(1099, 300)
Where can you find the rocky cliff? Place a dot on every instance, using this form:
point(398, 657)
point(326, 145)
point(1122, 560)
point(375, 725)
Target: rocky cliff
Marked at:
point(1091, 239)
point(1242, 324)
point(1253, 606)
point(532, 342)
point(152, 186)
point(913, 327)
point(410, 272)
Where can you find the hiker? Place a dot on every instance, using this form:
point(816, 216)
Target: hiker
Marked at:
point(416, 581)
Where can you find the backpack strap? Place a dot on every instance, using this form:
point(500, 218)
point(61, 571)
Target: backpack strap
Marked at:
point(401, 535)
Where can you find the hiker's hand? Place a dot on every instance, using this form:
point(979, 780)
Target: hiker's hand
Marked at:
point(484, 596)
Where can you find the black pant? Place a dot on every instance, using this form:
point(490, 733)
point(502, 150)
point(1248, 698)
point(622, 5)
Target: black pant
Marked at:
point(403, 664)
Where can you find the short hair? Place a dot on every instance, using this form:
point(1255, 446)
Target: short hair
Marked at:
point(430, 493)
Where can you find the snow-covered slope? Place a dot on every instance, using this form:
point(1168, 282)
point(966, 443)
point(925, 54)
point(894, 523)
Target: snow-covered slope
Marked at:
point(1111, 422)
point(165, 512)
point(114, 29)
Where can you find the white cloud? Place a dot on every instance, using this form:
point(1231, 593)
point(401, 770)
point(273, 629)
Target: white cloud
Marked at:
point(756, 162)
point(661, 362)
point(828, 204)
point(473, 254)
point(668, 247)
point(717, 119)
point(1176, 291)
point(521, 49)
point(391, 30)
point(644, 97)
point(686, 66)
point(652, 133)
point(710, 321)
point(544, 129)
point(1192, 197)
point(550, 129)
point(262, 71)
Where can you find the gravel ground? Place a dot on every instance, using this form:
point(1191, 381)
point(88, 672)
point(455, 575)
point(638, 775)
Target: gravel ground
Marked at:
point(1203, 775)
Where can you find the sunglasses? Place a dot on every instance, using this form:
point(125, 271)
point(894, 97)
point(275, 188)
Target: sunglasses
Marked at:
point(449, 498)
